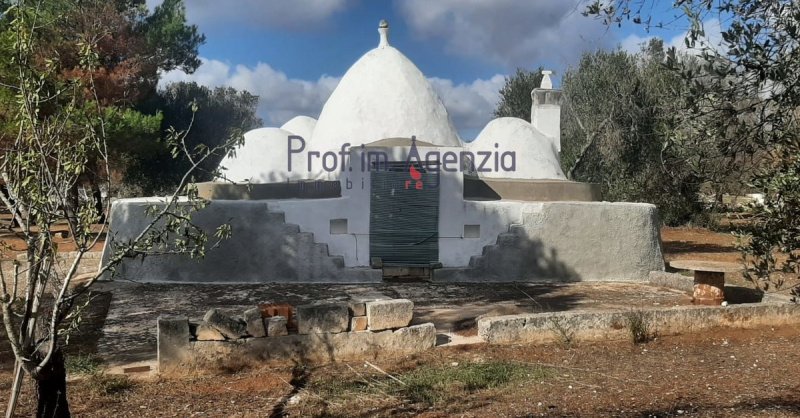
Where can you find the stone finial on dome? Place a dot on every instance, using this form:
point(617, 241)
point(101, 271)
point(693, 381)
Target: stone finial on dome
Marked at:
point(546, 82)
point(383, 29)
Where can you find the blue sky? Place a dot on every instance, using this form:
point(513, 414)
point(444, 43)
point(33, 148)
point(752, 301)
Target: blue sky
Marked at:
point(292, 53)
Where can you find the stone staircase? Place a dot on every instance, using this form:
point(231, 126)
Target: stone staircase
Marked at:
point(514, 256)
point(263, 248)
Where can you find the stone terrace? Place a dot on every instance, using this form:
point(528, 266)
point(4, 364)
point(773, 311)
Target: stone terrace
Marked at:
point(129, 329)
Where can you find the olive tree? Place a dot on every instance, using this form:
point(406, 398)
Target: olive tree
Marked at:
point(59, 132)
point(743, 98)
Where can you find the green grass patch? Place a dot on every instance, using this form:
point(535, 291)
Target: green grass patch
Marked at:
point(82, 364)
point(434, 385)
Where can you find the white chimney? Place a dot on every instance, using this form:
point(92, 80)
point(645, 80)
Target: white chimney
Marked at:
point(546, 110)
point(383, 30)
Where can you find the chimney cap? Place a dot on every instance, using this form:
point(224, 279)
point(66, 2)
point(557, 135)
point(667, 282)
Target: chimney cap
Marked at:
point(547, 83)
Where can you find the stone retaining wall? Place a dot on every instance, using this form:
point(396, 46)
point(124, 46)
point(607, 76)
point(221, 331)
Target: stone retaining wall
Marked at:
point(594, 326)
point(320, 333)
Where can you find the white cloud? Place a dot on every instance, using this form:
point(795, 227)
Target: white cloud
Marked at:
point(469, 105)
point(286, 14)
point(713, 30)
point(281, 98)
point(507, 32)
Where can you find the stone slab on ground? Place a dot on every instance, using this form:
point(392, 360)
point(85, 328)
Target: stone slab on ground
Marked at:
point(388, 314)
point(671, 280)
point(173, 337)
point(276, 326)
point(255, 323)
point(322, 318)
point(230, 327)
point(206, 332)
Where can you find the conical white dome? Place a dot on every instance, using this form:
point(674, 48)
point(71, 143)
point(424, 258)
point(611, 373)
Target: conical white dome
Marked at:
point(302, 126)
point(264, 158)
point(383, 95)
point(536, 158)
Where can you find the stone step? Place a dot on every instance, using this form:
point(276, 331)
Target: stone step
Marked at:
point(517, 230)
point(476, 261)
point(279, 217)
point(337, 260)
point(507, 239)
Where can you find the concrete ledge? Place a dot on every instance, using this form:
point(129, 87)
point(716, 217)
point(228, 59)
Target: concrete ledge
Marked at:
point(594, 326)
point(310, 348)
point(264, 191)
point(530, 190)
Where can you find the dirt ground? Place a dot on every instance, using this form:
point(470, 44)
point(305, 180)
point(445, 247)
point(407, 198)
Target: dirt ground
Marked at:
point(722, 372)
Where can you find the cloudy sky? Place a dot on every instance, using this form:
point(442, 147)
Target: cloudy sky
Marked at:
point(292, 53)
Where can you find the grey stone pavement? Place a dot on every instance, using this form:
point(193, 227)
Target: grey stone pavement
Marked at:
point(128, 334)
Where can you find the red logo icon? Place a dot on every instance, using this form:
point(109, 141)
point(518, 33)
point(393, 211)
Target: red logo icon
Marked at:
point(416, 177)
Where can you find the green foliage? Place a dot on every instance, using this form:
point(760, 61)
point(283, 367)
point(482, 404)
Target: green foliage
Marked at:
point(515, 96)
point(742, 102)
point(222, 115)
point(174, 42)
point(83, 364)
point(619, 115)
point(60, 138)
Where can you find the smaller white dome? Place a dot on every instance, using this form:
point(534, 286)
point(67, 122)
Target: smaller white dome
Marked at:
point(302, 126)
point(535, 158)
point(263, 158)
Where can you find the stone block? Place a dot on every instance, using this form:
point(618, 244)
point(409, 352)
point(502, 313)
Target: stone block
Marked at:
point(208, 333)
point(172, 341)
point(255, 323)
point(358, 323)
point(230, 327)
point(276, 326)
point(357, 308)
point(389, 314)
point(322, 318)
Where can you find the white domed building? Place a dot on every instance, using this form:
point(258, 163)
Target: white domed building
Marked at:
point(382, 183)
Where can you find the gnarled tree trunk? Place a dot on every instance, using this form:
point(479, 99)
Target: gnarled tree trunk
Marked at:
point(51, 389)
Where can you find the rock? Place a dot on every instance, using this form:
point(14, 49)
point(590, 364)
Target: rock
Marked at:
point(173, 340)
point(232, 328)
point(358, 323)
point(357, 308)
point(276, 326)
point(322, 318)
point(208, 333)
point(255, 323)
point(413, 339)
point(388, 314)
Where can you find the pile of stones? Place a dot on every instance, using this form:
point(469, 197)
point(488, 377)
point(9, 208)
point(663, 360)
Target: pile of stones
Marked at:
point(281, 320)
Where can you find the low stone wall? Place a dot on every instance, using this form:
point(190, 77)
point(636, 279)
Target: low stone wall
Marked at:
point(316, 333)
point(595, 326)
point(90, 263)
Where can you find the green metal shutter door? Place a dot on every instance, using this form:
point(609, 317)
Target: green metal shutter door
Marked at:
point(404, 222)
